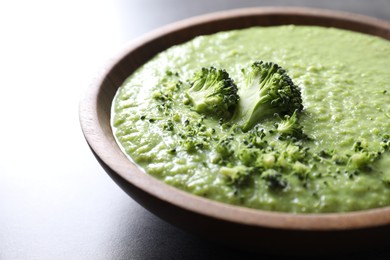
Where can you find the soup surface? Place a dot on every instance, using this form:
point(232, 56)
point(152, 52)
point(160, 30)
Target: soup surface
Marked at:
point(342, 164)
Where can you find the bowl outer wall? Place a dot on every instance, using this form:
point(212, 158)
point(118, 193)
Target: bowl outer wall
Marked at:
point(203, 216)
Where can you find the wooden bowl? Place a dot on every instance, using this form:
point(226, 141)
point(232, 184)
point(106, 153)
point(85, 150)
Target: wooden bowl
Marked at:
point(250, 229)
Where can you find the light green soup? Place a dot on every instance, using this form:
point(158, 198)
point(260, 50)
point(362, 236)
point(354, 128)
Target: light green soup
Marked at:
point(344, 78)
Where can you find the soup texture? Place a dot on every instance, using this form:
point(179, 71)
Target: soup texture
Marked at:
point(335, 159)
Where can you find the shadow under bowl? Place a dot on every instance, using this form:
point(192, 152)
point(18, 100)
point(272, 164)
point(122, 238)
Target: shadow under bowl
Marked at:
point(250, 229)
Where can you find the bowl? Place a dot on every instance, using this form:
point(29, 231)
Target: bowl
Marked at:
point(250, 229)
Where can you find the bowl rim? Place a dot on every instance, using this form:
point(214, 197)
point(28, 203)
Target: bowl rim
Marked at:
point(109, 152)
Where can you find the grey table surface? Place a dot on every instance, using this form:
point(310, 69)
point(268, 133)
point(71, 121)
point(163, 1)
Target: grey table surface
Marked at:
point(56, 202)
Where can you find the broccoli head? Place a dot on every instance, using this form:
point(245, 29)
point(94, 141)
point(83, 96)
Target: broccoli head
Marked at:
point(289, 127)
point(361, 160)
point(363, 157)
point(213, 92)
point(267, 90)
point(237, 174)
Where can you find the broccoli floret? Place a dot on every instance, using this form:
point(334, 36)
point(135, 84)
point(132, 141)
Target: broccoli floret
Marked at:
point(362, 157)
point(267, 160)
point(274, 179)
point(255, 138)
point(237, 174)
point(166, 91)
point(300, 169)
point(194, 134)
point(224, 149)
point(290, 153)
point(361, 161)
point(267, 90)
point(361, 145)
point(213, 92)
point(248, 156)
point(289, 127)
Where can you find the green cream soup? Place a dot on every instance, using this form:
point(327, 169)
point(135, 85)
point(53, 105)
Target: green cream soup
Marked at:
point(344, 79)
